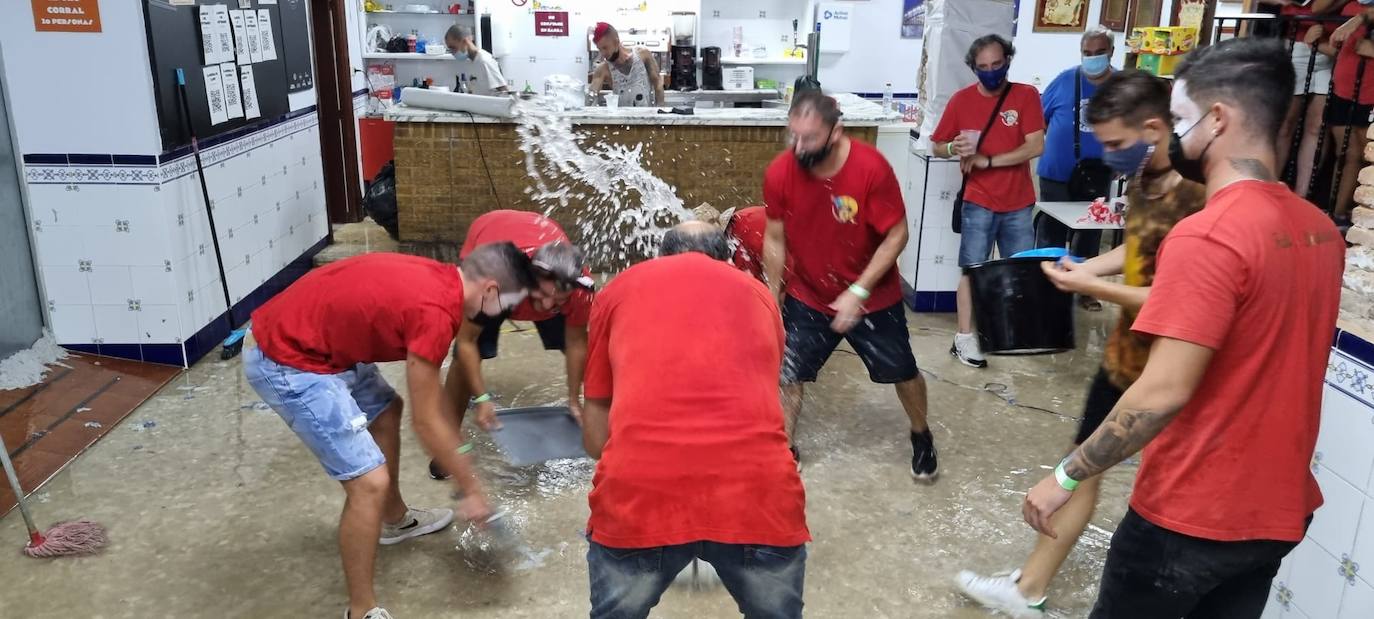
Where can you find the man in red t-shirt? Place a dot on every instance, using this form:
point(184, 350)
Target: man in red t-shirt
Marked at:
point(693, 457)
point(1347, 113)
point(995, 127)
point(1242, 310)
point(837, 221)
point(559, 306)
point(318, 343)
point(745, 231)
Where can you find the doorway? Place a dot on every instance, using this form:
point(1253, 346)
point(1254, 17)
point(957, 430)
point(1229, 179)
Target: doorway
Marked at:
point(19, 304)
point(338, 129)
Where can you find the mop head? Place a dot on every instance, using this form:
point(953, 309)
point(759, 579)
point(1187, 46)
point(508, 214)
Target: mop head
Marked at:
point(68, 539)
point(699, 575)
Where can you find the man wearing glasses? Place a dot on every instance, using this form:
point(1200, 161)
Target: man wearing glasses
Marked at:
point(836, 219)
point(559, 305)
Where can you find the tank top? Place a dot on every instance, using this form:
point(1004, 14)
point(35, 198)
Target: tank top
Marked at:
point(635, 83)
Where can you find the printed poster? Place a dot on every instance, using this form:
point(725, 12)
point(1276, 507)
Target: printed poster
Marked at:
point(224, 33)
point(267, 45)
point(214, 95)
point(229, 77)
point(249, 95)
point(240, 37)
point(250, 28)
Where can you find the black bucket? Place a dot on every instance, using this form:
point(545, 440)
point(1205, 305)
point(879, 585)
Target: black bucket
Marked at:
point(1018, 311)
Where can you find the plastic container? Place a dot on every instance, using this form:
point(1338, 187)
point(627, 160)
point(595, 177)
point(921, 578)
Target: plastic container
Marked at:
point(1018, 310)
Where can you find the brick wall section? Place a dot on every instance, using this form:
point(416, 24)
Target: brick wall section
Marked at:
point(1357, 299)
point(441, 185)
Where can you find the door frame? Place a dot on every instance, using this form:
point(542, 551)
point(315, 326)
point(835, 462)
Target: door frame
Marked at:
point(24, 200)
point(337, 122)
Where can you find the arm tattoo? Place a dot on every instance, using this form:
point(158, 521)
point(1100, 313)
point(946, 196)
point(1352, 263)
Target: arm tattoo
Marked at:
point(1253, 168)
point(1123, 433)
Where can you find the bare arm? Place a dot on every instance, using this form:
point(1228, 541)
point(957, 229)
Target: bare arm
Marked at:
point(432, 417)
point(1030, 149)
point(599, 76)
point(575, 361)
point(596, 426)
point(1321, 7)
point(1365, 48)
point(885, 257)
point(774, 255)
point(1110, 263)
point(467, 364)
point(651, 67)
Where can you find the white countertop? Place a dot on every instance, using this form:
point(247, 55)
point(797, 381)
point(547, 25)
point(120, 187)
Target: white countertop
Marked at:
point(857, 113)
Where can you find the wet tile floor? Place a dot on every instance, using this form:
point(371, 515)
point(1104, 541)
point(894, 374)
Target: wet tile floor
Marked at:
point(216, 510)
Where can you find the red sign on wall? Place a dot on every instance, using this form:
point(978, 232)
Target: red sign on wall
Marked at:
point(66, 16)
point(551, 23)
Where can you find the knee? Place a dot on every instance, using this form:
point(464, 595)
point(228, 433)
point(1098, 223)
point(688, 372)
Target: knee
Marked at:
point(372, 485)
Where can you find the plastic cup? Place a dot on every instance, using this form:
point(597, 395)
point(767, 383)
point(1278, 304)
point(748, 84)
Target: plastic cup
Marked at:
point(971, 135)
point(612, 101)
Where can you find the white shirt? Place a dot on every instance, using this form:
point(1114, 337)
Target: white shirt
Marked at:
point(483, 74)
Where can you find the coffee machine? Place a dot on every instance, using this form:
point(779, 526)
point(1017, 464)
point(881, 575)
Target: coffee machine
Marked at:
point(683, 75)
point(711, 76)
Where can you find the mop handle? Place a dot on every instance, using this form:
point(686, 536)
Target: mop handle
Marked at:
point(14, 484)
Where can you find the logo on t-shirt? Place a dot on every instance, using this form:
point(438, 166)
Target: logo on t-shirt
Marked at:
point(1010, 117)
point(845, 208)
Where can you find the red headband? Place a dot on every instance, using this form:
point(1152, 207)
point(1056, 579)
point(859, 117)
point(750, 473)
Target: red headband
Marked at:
point(601, 29)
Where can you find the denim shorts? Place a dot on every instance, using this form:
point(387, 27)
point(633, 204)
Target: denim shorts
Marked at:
point(765, 581)
point(1012, 232)
point(329, 412)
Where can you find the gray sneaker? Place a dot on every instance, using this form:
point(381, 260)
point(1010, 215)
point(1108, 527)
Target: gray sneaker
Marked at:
point(965, 349)
point(376, 613)
point(417, 522)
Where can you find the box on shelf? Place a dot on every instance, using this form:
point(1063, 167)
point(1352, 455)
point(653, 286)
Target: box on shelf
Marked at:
point(1163, 41)
point(1158, 64)
point(737, 78)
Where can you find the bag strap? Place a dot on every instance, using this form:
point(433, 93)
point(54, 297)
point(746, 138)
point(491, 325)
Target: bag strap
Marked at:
point(995, 109)
point(1077, 113)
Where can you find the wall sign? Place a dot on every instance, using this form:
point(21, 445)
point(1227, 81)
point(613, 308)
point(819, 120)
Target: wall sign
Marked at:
point(551, 23)
point(66, 16)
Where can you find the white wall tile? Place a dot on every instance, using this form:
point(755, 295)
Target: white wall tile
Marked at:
point(1358, 602)
point(155, 285)
point(110, 285)
point(66, 285)
point(1316, 584)
point(72, 324)
point(53, 205)
point(1347, 432)
point(115, 324)
point(1335, 522)
point(59, 245)
point(1363, 553)
point(159, 324)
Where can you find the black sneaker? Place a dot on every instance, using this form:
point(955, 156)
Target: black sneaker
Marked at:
point(437, 473)
point(924, 467)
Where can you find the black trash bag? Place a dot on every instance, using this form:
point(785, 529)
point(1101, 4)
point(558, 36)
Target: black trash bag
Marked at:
point(380, 200)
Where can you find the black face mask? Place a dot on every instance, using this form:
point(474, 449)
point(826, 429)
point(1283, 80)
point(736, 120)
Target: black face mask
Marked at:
point(1190, 169)
point(483, 319)
point(812, 158)
point(614, 58)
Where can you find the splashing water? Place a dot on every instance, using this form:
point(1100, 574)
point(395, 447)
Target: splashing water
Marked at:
point(627, 209)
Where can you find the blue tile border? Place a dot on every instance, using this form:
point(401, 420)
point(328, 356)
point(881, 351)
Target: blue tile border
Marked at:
point(925, 301)
point(1350, 368)
point(45, 159)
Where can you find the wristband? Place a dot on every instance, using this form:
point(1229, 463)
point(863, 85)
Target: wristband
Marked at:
point(1065, 482)
point(949, 149)
point(859, 291)
point(464, 448)
point(486, 397)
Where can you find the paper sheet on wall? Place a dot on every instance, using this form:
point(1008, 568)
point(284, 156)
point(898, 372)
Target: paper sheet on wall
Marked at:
point(208, 52)
point(214, 95)
point(268, 44)
point(250, 26)
point(240, 37)
point(249, 94)
point(229, 77)
point(262, 2)
point(224, 33)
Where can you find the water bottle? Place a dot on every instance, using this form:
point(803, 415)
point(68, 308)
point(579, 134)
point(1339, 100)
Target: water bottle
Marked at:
point(887, 96)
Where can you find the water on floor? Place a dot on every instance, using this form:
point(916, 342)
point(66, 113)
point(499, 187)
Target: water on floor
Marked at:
point(215, 508)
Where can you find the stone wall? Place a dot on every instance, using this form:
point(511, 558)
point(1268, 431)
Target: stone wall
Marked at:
point(1357, 300)
point(441, 184)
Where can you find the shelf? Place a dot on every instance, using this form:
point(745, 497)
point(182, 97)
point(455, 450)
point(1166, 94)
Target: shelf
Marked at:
point(406, 56)
point(762, 61)
point(419, 13)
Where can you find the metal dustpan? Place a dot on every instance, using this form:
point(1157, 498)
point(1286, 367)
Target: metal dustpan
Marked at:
point(536, 434)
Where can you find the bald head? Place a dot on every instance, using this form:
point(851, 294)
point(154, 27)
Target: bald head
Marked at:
point(695, 236)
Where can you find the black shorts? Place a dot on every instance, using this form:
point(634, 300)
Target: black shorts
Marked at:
point(880, 339)
point(551, 333)
point(1154, 572)
point(1102, 398)
point(1346, 113)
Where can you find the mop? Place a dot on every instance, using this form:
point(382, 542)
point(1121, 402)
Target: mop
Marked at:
point(71, 538)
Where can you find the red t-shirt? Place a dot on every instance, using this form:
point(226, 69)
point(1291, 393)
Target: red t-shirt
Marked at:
point(528, 231)
point(697, 450)
point(1256, 277)
point(1348, 64)
point(1293, 10)
point(747, 227)
point(834, 225)
point(366, 309)
point(1007, 188)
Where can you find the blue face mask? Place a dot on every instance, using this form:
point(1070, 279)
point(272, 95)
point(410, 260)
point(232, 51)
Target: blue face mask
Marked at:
point(992, 80)
point(1366, 2)
point(1127, 161)
point(1094, 66)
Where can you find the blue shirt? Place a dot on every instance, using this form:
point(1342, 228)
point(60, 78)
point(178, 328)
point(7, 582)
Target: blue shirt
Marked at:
point(1057, 162)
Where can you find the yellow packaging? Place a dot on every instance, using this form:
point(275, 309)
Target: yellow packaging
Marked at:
point(1182, 39)
point(1158, 64)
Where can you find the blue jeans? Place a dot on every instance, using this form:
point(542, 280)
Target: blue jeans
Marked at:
point(1012, 232)
point(329, 412)
point(766, 581)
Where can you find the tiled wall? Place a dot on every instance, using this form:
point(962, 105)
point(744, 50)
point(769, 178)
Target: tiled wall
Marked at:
point(930, 262)
point(1331, 574)
point(123, 241)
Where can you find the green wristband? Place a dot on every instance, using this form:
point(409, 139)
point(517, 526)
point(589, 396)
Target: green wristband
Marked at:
point(949, 148)
point(486, 397)
point(1061, 476)
point(464, 448)
point(859, 291)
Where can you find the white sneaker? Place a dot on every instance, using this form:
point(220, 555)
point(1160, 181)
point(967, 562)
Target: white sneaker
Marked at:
point(376, 613)
point(416, 523)
point(998, 592)
point(966, 350)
